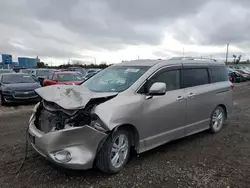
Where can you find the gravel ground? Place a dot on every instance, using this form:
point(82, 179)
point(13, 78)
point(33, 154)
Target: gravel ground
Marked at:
point(14, 110)
point(201, 160)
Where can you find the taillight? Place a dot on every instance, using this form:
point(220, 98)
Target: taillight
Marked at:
point(232, 86)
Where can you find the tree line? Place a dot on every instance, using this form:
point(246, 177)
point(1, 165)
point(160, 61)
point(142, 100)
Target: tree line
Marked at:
point(65, 66)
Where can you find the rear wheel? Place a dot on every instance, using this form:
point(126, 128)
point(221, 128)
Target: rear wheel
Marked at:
point(114, 153)
point(217, 119)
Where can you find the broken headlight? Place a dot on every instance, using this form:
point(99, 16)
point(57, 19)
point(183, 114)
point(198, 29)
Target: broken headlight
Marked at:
point(34, 111)
point(97, 124)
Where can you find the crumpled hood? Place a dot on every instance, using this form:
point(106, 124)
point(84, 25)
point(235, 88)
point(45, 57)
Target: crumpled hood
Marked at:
point(70, 97)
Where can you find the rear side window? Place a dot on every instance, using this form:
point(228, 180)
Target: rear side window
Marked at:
point(219, 74)
point(54, 77)
point(194, 77)
point(50, 77)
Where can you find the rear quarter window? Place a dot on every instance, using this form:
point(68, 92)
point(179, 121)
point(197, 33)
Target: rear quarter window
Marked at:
point(218, 74)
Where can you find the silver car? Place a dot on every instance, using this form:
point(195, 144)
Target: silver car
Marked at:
point(135, 105)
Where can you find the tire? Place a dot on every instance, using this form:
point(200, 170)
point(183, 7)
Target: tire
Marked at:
point(112, 148)
point(217, 121)
point(2, 102)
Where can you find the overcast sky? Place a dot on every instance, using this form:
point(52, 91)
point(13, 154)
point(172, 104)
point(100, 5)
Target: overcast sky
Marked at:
point(116, 30)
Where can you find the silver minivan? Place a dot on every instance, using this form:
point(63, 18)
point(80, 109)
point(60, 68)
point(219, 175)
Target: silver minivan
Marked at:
point(135, 105)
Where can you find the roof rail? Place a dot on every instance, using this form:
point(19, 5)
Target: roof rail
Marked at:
point(192, 58)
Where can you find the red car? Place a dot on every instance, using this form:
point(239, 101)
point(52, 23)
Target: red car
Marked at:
point(65, 77)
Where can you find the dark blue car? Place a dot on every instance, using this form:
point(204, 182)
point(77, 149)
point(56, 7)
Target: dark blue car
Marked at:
point(18, 88)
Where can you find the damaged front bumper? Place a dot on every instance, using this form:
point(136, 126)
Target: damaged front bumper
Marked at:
point(73, 148)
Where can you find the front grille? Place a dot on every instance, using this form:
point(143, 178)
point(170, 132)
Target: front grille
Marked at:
point(24, 94)
point(48, 121)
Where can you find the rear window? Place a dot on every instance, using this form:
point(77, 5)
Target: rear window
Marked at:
point(219, 74)
point(194, 77)
point(69, 77)
point(43, 72)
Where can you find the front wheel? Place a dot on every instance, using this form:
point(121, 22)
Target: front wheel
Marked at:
point(114, 153)
point(217, 119)
point(2, 102)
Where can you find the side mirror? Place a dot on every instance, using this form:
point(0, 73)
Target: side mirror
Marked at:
point(158, 88)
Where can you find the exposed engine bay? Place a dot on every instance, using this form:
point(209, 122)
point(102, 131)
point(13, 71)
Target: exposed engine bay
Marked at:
point(51, 117)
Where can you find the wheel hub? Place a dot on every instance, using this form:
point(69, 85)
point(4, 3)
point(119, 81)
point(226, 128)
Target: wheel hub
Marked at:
point(217, 119)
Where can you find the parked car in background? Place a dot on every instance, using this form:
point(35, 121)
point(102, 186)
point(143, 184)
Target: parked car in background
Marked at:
point(91, 72)
point(41, 74)
point(245, 68)
point(77, 69)
point(239, 77)
point(26, 71)
point(89, 75)
point(140, 104)
point(18, 88)
point(66, 78)
point(245, 74)
point(6, 71)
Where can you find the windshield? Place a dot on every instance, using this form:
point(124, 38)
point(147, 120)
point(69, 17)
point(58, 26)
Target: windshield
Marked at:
point(17, 78)
point(115, 78)
point(69, 77)
point(43, 72)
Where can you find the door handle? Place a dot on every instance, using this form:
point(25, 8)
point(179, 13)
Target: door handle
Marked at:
point(191, 95)
point(180, 98)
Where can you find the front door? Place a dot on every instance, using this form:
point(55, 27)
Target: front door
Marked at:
point(164, 116)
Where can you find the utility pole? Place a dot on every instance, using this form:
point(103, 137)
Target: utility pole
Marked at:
point(182, 52)
point(227, 52)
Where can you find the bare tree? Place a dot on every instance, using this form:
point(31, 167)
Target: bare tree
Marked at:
point(234, 56)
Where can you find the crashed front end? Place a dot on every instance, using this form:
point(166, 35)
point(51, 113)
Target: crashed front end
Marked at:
point(68, 138)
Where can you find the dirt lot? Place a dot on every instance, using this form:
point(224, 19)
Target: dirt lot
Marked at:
point(201, 160)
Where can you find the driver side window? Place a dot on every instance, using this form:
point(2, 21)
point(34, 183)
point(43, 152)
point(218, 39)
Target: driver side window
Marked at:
point(54, 77)
point(171, 78)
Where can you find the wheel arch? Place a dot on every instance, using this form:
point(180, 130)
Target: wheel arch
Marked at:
point(224, 108)
point(134, 134)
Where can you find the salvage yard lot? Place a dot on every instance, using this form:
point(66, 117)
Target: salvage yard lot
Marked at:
point(201, 160)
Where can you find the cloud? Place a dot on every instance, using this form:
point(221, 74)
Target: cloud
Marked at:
point(219, 23)
point(73, 28)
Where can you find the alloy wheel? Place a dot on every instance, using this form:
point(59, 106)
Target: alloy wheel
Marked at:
point(218, 119)
point(119, 151)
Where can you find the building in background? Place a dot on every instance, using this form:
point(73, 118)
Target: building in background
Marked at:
point(6, 61)
point(27, 62)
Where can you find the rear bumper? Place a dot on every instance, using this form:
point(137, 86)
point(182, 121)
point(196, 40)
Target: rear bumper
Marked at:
point(81, 142)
